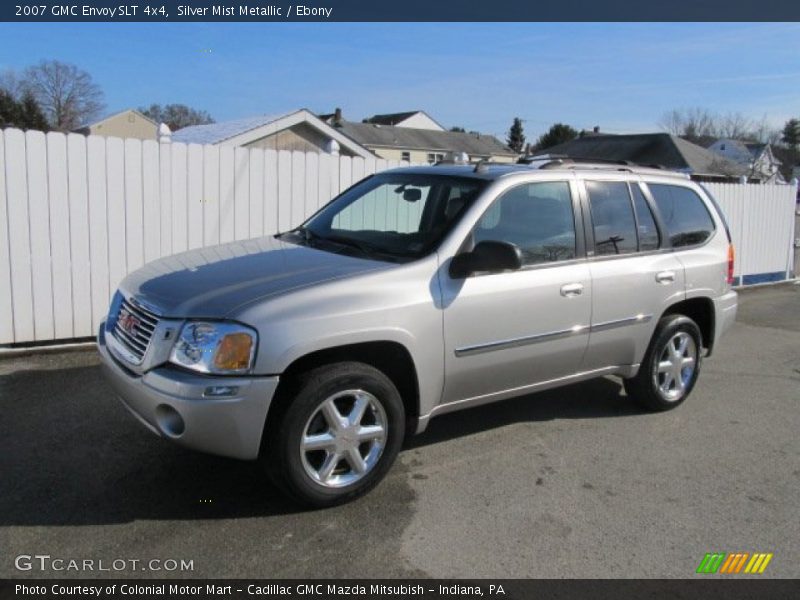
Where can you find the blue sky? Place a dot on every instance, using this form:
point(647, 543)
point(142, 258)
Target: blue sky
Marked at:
point(622, 77)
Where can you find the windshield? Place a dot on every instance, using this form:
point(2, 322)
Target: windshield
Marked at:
point(392, 216)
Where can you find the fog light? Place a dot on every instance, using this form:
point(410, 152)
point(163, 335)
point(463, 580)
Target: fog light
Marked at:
point(220, 391)
point(169, 421)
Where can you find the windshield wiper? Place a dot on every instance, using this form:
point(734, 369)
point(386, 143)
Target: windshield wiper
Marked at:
point(313, 239)
point(308, 235)
point(363, 247)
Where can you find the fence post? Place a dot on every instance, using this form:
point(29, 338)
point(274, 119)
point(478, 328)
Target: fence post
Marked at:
point(164, 134)
point(794, 242)
point(332, 147)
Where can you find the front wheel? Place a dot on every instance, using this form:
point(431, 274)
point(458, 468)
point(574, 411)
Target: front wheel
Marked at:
point(335, 435)
point(670, 366)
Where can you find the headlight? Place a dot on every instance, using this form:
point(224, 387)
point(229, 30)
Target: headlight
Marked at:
point(220, 348)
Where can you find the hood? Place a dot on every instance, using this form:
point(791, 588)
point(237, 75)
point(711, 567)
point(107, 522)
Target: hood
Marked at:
point(212, 282)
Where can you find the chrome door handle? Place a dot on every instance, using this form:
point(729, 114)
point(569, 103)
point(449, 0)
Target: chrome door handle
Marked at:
point(665, 277)
point(571, 289)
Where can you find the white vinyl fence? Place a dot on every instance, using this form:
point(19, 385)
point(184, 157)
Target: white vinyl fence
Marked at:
point(761, 219)
point(78, 213)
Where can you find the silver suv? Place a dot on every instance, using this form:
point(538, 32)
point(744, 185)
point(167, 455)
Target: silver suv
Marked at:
point(418, 292)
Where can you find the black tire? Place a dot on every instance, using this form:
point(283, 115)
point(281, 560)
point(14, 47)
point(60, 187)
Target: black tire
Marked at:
point(643, 387)
point(290, 468)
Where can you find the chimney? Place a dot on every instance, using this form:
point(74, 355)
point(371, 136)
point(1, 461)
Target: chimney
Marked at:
point(596, 129)
point(337, 117)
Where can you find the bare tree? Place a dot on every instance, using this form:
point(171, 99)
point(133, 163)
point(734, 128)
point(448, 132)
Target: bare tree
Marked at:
point(694, 124)
point(764, 132)
point(734, 126)
point(65, 92)
point(176, 116)
point(10, 83)
point(702, 126)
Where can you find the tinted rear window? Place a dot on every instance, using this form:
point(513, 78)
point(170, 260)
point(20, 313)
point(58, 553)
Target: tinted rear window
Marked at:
point(685, 215)
point(648, 232)
point(612, 217)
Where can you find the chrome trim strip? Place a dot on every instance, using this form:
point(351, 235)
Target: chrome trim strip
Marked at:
point(154, 313)
point(550, 336)
point(521, 341)
point(606, 325)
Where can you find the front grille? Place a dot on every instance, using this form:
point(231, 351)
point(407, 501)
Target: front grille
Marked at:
point(134, 327)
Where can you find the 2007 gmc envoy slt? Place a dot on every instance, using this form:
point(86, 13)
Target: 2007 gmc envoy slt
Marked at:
point(417, 292)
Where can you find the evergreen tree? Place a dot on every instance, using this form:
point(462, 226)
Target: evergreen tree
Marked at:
point(9, 110)
point(516, 136)
point(22, 114)
point(30, 114)
point(791, 134)
point(557, 134)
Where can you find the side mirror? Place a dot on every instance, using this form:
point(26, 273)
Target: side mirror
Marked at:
point(412, 194)
point(487, 256)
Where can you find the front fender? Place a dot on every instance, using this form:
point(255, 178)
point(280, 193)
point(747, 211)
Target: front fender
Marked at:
point(327, 342)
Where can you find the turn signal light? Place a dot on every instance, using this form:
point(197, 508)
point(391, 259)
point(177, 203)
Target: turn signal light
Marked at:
point(233, 352)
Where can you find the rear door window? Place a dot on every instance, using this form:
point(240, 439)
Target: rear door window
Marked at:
point(612, 217)
point(684, 213)
point(649, 239)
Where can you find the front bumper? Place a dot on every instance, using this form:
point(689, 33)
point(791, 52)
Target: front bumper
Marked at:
point(172, 403)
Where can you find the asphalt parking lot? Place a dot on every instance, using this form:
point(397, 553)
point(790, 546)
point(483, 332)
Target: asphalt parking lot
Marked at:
point(576, 482)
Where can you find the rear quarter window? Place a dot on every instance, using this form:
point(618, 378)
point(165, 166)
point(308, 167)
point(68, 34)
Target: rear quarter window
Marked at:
point(684, 213)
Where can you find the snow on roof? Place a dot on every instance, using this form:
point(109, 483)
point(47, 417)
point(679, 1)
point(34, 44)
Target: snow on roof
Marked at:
point(214, 133)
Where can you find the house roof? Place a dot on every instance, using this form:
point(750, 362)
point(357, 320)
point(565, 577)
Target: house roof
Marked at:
point(744, 149)
point(214, 133)
point(391, 118)
point(661, 149)
point(387, 136)
point(395, 118)
point(240, 132)
point(755, 148)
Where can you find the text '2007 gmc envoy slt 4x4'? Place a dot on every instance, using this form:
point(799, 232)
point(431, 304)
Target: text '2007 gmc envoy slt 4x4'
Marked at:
point(417, 292)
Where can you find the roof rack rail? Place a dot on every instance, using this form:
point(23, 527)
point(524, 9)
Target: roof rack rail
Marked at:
point(577, 162)
point(553, 161)
point(566, 158)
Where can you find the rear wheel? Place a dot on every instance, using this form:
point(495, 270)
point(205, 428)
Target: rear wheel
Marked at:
point(670, 366)
point(335, 435)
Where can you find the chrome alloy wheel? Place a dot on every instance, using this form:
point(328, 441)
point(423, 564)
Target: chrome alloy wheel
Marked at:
point(675, 367)
point(344, 438)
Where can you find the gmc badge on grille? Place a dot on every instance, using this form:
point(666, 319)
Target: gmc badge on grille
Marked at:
point(128, 322)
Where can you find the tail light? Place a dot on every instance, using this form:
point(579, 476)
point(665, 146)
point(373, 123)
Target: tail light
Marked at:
point(730, 263)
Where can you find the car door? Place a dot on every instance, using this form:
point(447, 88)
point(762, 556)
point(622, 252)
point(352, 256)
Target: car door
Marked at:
point(505, 331)
point(635, 274)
